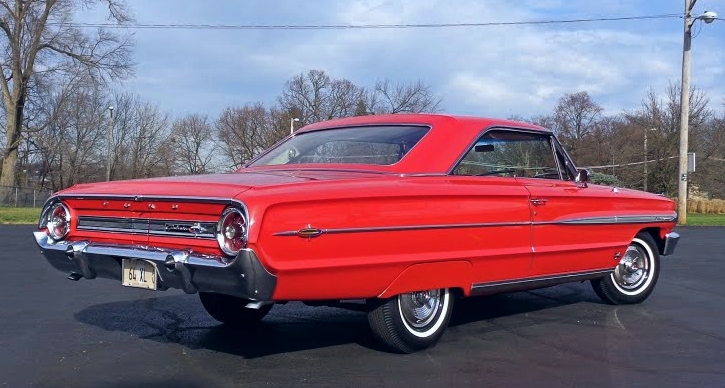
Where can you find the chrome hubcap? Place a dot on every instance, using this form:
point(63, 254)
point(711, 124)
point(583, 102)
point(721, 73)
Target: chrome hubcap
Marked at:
point(633, 269)
point(420, 308)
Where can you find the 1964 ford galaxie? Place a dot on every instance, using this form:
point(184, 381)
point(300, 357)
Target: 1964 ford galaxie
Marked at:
point(404, 212)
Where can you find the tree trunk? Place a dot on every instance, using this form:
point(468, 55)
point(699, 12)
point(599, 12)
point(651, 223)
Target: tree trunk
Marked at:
point(10, 153)
point(14, 106)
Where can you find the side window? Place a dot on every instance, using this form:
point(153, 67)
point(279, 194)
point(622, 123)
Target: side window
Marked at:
point(511, 154)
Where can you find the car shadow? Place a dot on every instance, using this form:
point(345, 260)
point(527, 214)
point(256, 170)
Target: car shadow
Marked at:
point(483, 308)
point(292, 327)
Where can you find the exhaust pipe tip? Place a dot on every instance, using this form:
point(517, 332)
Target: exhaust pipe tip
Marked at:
point(170, 263)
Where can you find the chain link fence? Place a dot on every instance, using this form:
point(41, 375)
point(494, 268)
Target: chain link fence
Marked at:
point(14, 196)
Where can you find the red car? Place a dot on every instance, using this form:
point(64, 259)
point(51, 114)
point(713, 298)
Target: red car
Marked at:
point(404, 212)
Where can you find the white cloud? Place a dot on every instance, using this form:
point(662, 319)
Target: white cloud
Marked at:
point(480, 70)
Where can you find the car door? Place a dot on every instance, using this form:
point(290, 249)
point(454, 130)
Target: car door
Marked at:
point(569, 231)
point(500, 232)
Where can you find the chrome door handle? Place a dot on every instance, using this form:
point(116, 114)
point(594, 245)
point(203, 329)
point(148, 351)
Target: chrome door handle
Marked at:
point(538, 201)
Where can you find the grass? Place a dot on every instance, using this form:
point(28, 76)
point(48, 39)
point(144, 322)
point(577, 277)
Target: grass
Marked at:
point(19, 215)
point(698, 219)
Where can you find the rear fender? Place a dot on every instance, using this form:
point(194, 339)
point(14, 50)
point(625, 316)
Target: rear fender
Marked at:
point(428, 276)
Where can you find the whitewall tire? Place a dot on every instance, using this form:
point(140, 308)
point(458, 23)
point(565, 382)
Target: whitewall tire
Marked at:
point(635, 277)
point(412, 321)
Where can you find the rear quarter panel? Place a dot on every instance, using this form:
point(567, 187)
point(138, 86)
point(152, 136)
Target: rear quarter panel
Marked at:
point(376, 229)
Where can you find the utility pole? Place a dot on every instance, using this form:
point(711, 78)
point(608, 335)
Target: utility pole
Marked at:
point(111, 152)
point(707, 17)
point(684, 114)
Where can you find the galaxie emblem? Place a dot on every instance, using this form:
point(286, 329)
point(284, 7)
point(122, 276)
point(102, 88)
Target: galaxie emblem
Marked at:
point(176, 228)
point(195, 228)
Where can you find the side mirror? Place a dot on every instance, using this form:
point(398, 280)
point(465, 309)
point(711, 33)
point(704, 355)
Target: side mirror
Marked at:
point(582, 178)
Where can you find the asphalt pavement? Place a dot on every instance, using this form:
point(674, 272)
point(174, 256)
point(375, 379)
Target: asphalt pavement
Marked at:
point(96, 333)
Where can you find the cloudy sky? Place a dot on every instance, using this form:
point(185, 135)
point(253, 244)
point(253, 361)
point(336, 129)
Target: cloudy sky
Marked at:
point(489, 71)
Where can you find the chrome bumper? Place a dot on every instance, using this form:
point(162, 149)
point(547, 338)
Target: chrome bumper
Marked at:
point(671, 240)
point(243, 276)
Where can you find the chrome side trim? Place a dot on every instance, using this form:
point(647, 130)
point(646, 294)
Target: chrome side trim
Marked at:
point(626, 219)
point(408, 227)
point(538, 282)
point(671, 240)
point(634, 219)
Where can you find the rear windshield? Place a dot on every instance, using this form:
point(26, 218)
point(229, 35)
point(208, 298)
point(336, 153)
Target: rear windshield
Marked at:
point(380, 145)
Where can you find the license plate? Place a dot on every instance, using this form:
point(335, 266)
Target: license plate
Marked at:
point(139, 274)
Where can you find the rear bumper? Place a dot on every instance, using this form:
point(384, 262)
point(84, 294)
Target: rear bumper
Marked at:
point(671, 240)
point(243, 276)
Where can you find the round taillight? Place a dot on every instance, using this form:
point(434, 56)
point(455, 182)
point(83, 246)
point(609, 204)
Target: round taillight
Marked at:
point(58, 221)
point(231, 231)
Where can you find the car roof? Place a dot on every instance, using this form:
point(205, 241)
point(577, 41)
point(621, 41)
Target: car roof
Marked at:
point(469, 122)
point(437, 152)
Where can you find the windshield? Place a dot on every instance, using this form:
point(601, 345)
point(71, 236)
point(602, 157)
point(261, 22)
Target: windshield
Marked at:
point(379, 145)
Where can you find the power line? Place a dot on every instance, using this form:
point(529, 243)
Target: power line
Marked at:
point(354, 26)
point(628, 164)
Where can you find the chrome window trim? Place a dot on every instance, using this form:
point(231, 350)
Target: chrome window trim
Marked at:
point(560, 148)
point(559, 167)
point(543, 131)
point(551, 139)
point(382, 124)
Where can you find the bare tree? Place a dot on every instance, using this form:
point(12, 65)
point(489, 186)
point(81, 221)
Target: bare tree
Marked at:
point(315, 96)
point(244, 132)
point(575, 116)
point(278, 126)
point(660, 117)
point(140, 130)
point(711, 159)
point(69, 148)
point(193, 144)
point(391, 97)
point(38, 37)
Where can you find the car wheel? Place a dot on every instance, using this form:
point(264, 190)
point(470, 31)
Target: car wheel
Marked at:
point(231, 310)
point(412, 321)
point(634, 278)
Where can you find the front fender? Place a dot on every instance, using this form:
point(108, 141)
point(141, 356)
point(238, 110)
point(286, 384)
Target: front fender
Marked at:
point(427, 276)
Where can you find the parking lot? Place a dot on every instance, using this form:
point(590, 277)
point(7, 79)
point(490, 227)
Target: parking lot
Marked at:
point(59, 333)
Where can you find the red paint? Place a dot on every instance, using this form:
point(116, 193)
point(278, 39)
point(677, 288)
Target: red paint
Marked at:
point(386, 229)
